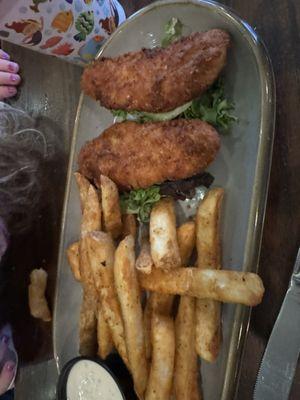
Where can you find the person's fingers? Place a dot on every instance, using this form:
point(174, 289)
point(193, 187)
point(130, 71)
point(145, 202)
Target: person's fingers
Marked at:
point(7, 91)
point(7, 78)
point(4, 55)
point(6, 376)
point(8, 66)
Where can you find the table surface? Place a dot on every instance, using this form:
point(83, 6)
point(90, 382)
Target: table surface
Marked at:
point(50, 91)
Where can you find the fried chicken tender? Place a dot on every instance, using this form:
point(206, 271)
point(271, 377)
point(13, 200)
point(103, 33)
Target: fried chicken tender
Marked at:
point(158, 80)
point(137, 155)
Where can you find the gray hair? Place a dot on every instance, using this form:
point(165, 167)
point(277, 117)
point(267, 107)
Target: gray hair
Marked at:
point(22, 151)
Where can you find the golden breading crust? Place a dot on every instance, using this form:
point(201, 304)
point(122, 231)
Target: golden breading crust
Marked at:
point(137, 155)
point(158, 80)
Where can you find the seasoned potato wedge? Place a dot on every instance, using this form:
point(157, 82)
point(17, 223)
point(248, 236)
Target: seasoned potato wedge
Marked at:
point(163, 353)
point(186, 240)
point(74, 260)
point(36, 293)
point(226, 286)
point(128, 291)
point(163, 236)
point(101, 256)
point(208, 312)
point(111, 206)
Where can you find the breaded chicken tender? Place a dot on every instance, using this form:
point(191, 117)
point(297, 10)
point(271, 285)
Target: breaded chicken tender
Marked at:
point(137, 155)
point(158, 80)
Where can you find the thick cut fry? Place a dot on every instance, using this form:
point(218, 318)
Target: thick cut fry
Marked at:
point(111, 206)
point(89, 307)
point(129, 296)
point(196, 391)
point(101, 253)
point(163, 352)
point(91, 215)
point(36, 293)
point(156, 303)
point(208, 312)
point(87, 278)
point(163, 236)
point(208, 329)
point(91, 220)
point(88, 325)
point(83, 186)
point(105, 343)
point(144, 262)
point(185, 378)
point(186, 240)
point(147, 327)
point(73, 259)
point(129, 225)
point(226, 286)
point(207, 226)
point(162, 303)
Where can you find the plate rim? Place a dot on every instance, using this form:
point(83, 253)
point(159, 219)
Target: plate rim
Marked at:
point(261, 178)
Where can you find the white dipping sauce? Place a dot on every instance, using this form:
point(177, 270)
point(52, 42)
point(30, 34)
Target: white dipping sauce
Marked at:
point(87, 380)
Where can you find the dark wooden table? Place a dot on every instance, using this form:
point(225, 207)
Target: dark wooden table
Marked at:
point(51, 91)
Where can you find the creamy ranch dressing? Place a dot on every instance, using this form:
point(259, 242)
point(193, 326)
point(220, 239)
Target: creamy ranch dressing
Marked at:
point(87, 380)
point(188, 208)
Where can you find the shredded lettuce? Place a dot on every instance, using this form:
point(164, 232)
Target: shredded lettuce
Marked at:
point(140, 116)
point(172, 30)
point(140, 202)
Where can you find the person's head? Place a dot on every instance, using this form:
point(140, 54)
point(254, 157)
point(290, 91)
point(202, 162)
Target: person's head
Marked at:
point(22, 150)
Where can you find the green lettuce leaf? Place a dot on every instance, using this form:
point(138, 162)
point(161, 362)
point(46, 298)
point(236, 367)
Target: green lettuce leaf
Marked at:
point(212, 107)
point(173, 31)
point(140, 202)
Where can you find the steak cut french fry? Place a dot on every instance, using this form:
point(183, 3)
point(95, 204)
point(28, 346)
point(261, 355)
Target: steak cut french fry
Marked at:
point(83, 186)
point(144, 262)
point(162, 303)
point(208, 329)
point(91, 220)
point(196, 392)
point(88, 325)
point(111, 206)
point(105, 343)
point(185, 377)
point(129, 295)
point(226, 286)
point(156, 303)
point(208, 230)
point(129, 225)
point(186, 237)
point(73, 259)
point(163, 236)
point(91, 215)
point(147, 317)
point(101, 255)
point(36, 295)
point(208, 312)
point(89, 307)
point(163, 353)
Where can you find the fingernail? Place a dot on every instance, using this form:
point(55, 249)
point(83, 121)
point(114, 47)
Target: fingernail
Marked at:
point(4, 55)
point(13, 67)
point(4, 339)
point(10, 366)
point(12, 90)
point(14, 78)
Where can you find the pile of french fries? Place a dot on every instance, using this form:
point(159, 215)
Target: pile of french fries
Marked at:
point(129, 300)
